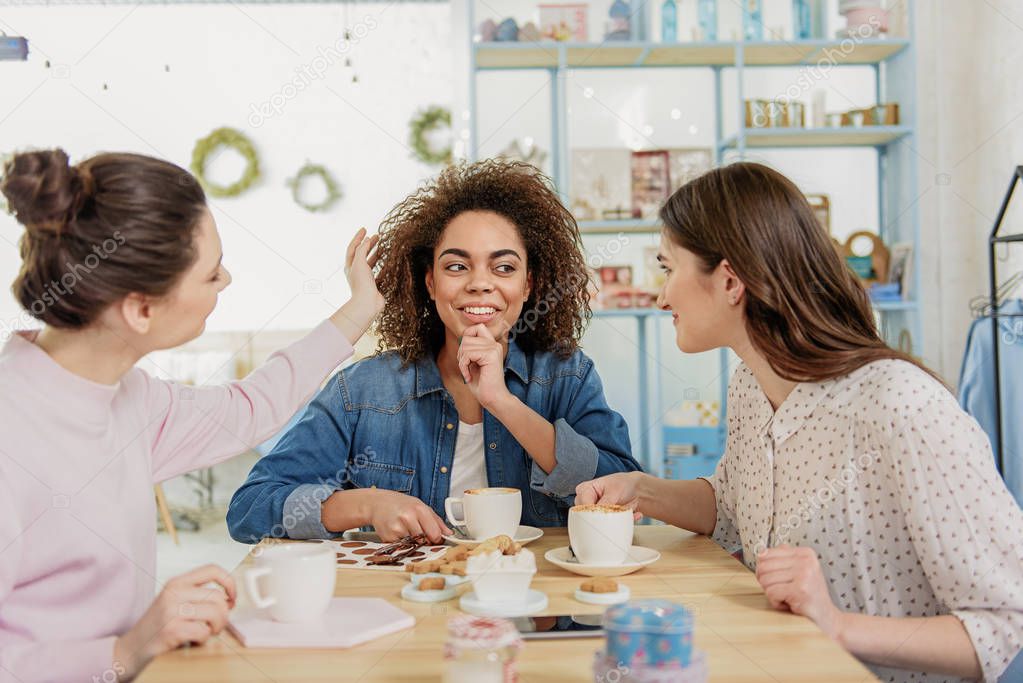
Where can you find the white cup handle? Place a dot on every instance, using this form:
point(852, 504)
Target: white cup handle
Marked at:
point(448, 505)
point(252, 577)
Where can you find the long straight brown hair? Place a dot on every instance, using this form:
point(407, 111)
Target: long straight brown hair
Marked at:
point(806, 312)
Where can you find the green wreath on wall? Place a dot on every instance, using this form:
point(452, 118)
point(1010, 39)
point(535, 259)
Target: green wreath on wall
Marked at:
point(307, 172)
point(427, 120)
point(236, 140)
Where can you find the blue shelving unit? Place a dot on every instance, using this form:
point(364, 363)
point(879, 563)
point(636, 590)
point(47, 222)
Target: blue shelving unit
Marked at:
point(894, 65)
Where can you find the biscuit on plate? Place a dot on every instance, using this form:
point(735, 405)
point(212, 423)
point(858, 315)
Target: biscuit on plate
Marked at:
point(433, 583)
point(599, 584)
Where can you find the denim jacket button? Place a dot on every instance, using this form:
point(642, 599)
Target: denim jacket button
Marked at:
point(450, 426)
point(443, 470)
point(493, 445)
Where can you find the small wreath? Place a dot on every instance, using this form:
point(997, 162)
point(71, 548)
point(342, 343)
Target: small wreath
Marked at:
point(226, 137)
point(329, 184)
point(425, 121)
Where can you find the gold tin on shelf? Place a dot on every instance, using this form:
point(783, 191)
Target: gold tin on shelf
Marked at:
point(758, 114)
point(886, 114)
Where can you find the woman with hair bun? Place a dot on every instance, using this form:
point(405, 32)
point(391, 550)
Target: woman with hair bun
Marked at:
point(121, 257)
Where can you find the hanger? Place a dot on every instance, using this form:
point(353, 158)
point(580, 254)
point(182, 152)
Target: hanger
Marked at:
point(981, 306)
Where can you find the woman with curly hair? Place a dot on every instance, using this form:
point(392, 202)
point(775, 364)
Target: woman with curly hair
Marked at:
point(479, 380)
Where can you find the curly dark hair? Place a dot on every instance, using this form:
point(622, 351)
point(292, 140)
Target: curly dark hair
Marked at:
point(558, 309)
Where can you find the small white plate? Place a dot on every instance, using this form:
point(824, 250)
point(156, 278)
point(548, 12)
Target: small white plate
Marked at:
point(604, 598)
point(524, 535)
point(450, 580)
point(637, 558)
point(410, 592)
point(535, 602)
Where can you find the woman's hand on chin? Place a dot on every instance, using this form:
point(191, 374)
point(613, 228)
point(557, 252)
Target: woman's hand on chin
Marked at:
point(481, 362)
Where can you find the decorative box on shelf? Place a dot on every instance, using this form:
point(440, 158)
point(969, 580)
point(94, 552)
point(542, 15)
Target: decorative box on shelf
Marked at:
point(691, 452)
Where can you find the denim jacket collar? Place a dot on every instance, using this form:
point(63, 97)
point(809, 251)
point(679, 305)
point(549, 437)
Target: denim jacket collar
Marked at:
point(428, 375)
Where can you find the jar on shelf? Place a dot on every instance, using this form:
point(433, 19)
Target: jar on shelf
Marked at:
point(481, 650)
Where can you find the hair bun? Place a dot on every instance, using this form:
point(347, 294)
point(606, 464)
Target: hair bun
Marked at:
point(44, 191)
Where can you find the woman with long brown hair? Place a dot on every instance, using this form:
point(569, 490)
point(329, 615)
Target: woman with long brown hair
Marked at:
point(852, 483)
point(121, 257)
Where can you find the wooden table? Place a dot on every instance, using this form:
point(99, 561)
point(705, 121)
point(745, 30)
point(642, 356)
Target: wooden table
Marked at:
point(744, 639)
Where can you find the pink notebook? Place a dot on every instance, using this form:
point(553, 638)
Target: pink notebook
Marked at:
point(347, 622)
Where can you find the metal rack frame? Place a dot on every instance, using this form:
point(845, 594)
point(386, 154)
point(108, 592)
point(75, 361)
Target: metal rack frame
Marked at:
point(993, 241)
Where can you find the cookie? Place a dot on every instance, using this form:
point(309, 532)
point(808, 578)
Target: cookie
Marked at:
point(456, 568)
point(456, 553)
point(427, 566)
point(599, 585)
point(503, 544)
point(434, 583)
point(485, 548)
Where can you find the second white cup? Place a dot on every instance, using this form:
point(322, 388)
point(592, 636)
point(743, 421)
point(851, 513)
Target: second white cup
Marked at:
point(293, 581)
point(487, 512)
point(600, 534)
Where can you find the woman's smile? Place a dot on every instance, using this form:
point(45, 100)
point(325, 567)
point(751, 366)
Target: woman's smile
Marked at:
point(476, 313)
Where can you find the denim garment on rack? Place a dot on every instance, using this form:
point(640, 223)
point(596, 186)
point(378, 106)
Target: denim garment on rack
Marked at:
point(977, 387)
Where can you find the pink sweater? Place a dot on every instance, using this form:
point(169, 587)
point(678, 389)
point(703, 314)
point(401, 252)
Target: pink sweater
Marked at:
point(78, 461)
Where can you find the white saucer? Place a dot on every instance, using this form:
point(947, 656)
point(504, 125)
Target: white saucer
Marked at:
point(637, 558)
point(622, 595)
point(450, 580)
point(524, 535)
point(535, 602)
point(410, 592)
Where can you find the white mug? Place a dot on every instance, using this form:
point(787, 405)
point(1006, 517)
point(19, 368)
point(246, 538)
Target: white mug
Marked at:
point(600, 534)
point(487, 512)
point(298, 579)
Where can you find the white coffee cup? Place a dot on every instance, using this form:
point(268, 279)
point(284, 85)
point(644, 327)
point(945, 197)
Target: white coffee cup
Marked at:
point(600, 534)
point(293, 581)
point(487, 512)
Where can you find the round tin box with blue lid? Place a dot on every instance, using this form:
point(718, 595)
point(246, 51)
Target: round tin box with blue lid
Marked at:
point(653, 632)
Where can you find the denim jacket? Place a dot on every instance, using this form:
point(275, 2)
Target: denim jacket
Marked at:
point(379, 425)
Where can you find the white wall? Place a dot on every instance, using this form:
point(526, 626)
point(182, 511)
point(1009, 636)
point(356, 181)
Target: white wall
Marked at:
point(222, 60)
point(971, 99)
point(225, 58)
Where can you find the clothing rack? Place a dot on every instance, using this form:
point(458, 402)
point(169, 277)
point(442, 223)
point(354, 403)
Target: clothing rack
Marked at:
point(993, 290)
